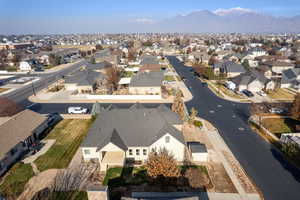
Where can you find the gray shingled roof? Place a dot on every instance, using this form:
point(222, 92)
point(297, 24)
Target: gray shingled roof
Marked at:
point(197, 147)
point(152, 60)
point(136, 126)
point(290, 74)
point(147, 79)
point(84, 77)
point(230, 66)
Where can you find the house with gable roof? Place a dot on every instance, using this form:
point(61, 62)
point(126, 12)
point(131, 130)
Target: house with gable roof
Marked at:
point(119, 134)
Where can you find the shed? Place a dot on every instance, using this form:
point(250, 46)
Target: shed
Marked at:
point(198, 151)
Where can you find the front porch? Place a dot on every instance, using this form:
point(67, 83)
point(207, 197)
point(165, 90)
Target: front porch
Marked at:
point(112, 159)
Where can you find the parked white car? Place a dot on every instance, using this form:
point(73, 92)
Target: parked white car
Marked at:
point(262, 93)
point(77, 110)
point(276, 110)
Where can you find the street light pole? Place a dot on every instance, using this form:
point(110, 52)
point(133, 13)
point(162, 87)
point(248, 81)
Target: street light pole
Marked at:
point(33, 91)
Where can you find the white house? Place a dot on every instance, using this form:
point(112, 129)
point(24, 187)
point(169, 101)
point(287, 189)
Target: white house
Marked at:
point(24, 66)
point(120, 135)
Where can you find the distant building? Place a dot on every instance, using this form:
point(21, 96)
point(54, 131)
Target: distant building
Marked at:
point(25, 66)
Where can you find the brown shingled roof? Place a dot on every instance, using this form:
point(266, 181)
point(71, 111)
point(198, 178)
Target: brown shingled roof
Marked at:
point(18, 128)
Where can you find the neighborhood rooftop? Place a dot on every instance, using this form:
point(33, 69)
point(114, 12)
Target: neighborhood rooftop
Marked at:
point(136, 126)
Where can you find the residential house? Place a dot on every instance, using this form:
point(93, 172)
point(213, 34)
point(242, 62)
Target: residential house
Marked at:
point(265, 70)
point(146, 83)
point(293, 138)
point(119, 135)
point(231, 69)
point(278, 67)
point(150, 63)
point(85, 81)
point(18, 134)
point(291, 79)
point(25, 66)
point(106, 55)
point(253, 81)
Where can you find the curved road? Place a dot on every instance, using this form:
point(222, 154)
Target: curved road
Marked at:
point(277, 179)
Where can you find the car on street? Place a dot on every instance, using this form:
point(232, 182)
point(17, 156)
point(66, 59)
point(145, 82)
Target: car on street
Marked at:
point(276, 110)
point(248, 93)
point(77, 110)
point(262, 93)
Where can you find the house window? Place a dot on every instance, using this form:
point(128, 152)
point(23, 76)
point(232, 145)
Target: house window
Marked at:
point(144, 152)
point(137, 152)
point(87, 151)
point(167, 138)
point(130, 152)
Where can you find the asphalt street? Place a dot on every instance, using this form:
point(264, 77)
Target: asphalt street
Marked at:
point(277, 179)
point(21, 95)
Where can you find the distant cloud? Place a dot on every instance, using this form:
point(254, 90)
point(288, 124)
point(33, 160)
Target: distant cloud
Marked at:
point(237, 10)
point(145, 21)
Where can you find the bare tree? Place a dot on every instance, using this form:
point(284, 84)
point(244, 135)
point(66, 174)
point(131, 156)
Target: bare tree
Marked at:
point(8, 107)
point(256, 109)
point(113, 77)
point(65, 183)
point(178, 105)
point(161, 166)
point(295, 108)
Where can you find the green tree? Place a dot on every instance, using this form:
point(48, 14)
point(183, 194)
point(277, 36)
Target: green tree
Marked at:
point(246, 64)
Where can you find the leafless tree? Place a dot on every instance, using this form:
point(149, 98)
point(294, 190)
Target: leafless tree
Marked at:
point(113, 77)
point(295, 108)
point(161, 166)
point(178, 105)
point(65, 183)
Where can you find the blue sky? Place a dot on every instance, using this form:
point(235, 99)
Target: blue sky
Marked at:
point(18, 15)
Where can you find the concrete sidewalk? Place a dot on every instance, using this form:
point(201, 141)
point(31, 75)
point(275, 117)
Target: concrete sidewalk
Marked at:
point(246, 190)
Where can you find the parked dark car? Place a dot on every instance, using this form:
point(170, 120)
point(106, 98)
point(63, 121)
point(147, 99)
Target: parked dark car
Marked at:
point(248, 93)
point(53, 118)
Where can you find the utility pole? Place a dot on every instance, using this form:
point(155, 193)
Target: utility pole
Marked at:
point(33, 91)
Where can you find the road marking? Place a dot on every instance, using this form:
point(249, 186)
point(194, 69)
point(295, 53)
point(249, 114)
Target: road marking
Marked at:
point(219, 106)
point(212, 111)
point(233, 116)
point(241, 128)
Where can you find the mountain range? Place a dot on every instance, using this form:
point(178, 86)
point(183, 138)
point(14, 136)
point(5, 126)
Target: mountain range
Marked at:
point(234, 20)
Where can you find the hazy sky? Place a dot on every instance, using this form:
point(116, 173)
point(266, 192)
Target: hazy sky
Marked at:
point(74, 16)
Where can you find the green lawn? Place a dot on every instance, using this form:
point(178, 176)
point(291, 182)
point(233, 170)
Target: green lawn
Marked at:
point(281, 93)
point(170, 78)
point(119, 176)
point(69, 134)
point(278, 126)
point(15, 180)
point(70, 195)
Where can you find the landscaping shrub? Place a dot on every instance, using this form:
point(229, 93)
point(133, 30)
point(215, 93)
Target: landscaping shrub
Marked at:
point(198, 123)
